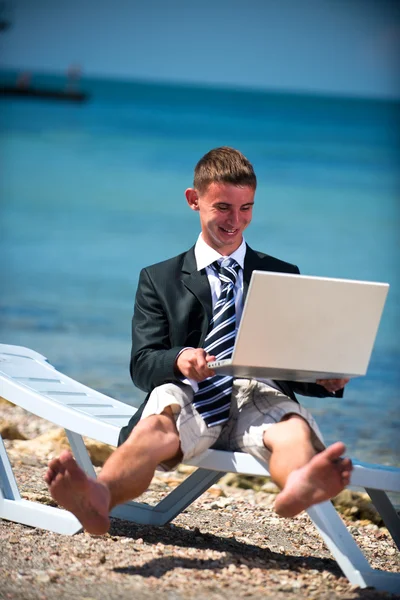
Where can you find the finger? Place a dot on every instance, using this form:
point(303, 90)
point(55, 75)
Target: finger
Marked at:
point(205, 373)
point(201, 358)
point(210, 358)
point(195, 373)
point(327, 384)
point(333, 383)
point(197, 377)
point(340, 383)
point(332, 386)
point(198, 374)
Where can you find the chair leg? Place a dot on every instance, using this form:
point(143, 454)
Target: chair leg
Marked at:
point(347, 553)
point(80, 453)
point(8, 483)
point(339, 541)
point(26, 512)
point(173, 504)
point(139, 512)
point(387, 511)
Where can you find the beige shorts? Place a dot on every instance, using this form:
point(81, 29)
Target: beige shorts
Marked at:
point(255, 406)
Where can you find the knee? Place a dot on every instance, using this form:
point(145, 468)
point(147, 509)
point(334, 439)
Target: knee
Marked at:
point(157, 432)
point(158, 425)
point(293, 429)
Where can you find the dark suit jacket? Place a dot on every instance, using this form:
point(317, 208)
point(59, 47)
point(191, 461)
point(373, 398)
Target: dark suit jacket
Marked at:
point(173, 309)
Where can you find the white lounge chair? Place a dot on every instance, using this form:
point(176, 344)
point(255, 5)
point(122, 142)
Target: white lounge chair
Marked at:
point(29, 381)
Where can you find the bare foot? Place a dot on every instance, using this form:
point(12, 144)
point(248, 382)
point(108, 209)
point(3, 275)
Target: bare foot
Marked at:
point(86, 498)
point(322, 478)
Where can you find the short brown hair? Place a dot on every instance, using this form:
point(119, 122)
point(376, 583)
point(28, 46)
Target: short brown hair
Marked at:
point(224, 165)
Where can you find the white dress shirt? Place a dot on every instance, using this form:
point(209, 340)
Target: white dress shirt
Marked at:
point(205, 257)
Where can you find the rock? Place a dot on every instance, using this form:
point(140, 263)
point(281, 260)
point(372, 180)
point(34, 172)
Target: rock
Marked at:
point(216, 491)
point(10, 431)
point(42, 498)
point(249, 482)
point(42, 577)
point(186, 469)
point(221, 503)
point(54, 575)
point(44, 446)
point(270, 488)
point(98, 451)
point(228, 479)
point(52, 443)
point(357, 506)
point(5, 402)
point(244, 482)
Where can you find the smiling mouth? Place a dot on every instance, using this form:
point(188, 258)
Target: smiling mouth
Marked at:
point(231, 231)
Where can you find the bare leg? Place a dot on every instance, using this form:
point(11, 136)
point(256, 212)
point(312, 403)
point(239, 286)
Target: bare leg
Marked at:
point(125, 475)
point(85, 497)
point(304, 476)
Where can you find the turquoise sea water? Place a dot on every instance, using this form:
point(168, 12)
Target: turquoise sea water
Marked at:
point(91, 193)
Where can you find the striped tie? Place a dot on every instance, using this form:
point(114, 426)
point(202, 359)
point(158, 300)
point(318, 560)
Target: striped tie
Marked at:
point(214, 395)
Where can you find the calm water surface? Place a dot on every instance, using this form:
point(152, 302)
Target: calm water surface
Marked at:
point(91, 193)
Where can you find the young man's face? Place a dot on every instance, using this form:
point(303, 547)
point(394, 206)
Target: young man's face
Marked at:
point(225, 212)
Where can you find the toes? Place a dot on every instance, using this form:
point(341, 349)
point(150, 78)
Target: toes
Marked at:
point(49, 476)
point(68, 463)
point(56, 481)
point(335, 451)
point(344, 467)
point(346, 464)
point(58, 467)
point(54, 464)
point(73, 469)
point(346, 476)
point(65, 457)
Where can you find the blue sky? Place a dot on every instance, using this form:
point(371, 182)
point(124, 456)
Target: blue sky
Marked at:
point(334, 46)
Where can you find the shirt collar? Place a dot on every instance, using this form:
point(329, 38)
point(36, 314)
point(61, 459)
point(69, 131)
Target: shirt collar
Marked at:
point(205, 255)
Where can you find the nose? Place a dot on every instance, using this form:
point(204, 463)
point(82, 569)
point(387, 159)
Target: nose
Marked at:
point(234, 218)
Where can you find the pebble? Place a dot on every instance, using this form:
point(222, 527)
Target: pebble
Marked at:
point(238, 548)
point(42, 577)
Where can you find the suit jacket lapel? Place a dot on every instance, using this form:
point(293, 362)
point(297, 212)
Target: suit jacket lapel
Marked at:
point(197, 282)
point(251, 262)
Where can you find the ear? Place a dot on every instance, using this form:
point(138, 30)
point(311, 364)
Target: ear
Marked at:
point(192, 198)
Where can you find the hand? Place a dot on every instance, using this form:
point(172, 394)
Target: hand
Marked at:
point(333, 385)
point(192, 363)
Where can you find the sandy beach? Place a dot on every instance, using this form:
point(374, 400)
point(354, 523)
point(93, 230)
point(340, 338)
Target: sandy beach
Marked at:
point(228, 543)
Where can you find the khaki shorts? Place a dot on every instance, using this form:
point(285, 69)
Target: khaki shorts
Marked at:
point(255, 406)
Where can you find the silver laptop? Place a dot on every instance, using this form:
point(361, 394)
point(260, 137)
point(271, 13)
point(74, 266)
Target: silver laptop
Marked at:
point(301, 328)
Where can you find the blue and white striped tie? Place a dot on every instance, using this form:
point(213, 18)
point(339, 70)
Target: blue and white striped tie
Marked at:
point(214, 395)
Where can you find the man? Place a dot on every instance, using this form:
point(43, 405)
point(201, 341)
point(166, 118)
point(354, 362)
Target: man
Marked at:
point(186, 314)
